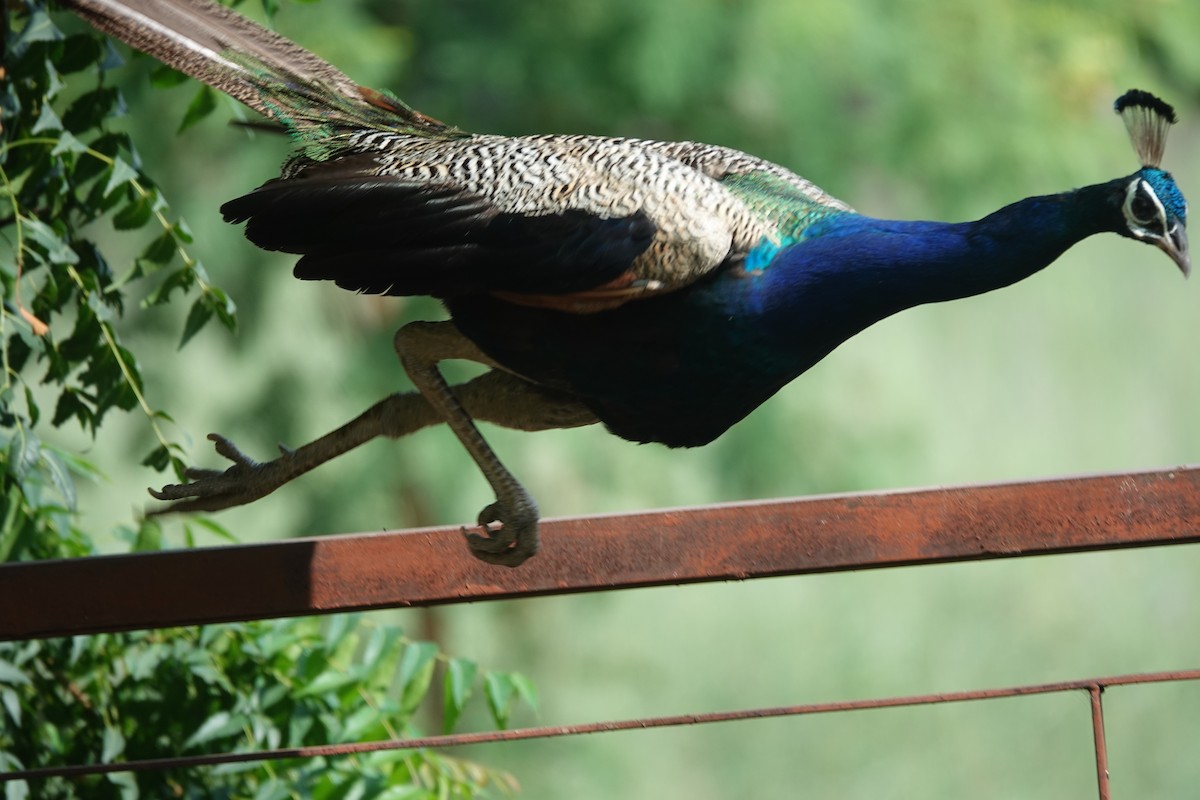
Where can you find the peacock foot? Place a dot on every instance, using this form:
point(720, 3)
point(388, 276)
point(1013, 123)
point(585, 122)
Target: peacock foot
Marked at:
point(212, 490)
point(515, 541)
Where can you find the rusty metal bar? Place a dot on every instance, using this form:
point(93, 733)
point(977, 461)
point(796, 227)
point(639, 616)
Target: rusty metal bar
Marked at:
point(1094, 692)
point(714, 543)
point(1092, 685)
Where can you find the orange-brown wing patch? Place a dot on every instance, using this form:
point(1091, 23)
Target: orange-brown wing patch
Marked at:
point(590, 301)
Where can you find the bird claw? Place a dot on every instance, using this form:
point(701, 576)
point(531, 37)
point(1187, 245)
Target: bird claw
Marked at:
point(510, 544)
point(213, 490)
point(509, 528)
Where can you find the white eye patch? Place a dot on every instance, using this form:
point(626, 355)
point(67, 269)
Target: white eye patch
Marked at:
point(1144, 212)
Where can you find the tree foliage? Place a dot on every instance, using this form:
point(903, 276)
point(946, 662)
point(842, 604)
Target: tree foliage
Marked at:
point(243, 688)
point(66, 171)
point(69, 173)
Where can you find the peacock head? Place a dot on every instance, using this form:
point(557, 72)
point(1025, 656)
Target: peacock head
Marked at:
point(1155, 210)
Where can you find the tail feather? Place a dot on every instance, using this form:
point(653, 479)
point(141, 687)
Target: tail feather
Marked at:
point(276, 77)
point(197, 38)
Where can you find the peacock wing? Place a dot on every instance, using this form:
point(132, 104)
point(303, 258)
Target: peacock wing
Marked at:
point(781, 199)
point(572, 222)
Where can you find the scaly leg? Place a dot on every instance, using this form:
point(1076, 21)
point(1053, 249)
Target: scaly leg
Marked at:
point(421, 345)
point(496, 396)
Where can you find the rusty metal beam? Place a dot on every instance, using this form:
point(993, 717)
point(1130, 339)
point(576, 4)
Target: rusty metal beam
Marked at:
point(714, 543)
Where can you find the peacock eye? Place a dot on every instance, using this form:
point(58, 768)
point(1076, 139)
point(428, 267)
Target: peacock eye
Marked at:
point(1142, 209)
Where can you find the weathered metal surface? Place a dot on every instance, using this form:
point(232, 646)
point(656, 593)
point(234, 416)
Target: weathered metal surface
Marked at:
point(713, 543)
point(1095, 692)
point(1094, 686)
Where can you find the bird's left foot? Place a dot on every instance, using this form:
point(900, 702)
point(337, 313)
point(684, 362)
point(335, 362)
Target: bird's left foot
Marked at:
point(212, 490)
point(511, 544)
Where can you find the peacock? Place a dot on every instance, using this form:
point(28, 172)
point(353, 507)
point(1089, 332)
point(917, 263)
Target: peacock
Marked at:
point(662, 289)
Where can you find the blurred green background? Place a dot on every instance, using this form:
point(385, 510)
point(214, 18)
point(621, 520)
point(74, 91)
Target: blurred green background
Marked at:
point(914, 109)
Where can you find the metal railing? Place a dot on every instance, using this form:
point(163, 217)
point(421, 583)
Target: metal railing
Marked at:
point(712, 543)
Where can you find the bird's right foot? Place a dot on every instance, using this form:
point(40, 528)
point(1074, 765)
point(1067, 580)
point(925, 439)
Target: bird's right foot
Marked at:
point(514, 541)
point(212, 490)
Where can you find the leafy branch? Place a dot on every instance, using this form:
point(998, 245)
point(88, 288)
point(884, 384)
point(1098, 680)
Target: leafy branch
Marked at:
point(74, 192)
point(240, 688)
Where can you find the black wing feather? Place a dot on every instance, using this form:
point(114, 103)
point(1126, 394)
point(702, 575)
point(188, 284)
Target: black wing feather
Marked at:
point(390, 236)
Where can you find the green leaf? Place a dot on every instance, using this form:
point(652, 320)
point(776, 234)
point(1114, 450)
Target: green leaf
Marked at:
point(407, 791)
point(110, 145)
point(60, 477)
point(183, 233)
point(331, 680)
point(144, 661)
point(12, 704)
point(219, 725)
point(23, 454)
point(12, 527)
point(79, 648)
point(214, 528)
point(456, 688)
point(199, 315)
point(203, 104)
point(362, 723)
point(126, 782)
point(85, 340)
point(11, 675)
point(76, 464)
point(338, 628)
point(39, 29)
point(97, 202)
point(220, 303)
point(383, 758)
point(54, 80)
point(278, 692)
point(89, 110)
point(301, 722)
point(114, 745)
point(499, 689)
point(16, 790)
point(157, 459)
point(77, 53)
point(525, 689)
point(110, 59)
point(56, 249)
point(159, 253)
point(383, 640)
point(415, 673)
point(163, 77)
point(135, 213)
point(149, 537)
point(47, 120)
point(178, 280)
point(94, 269)
point(119, 175)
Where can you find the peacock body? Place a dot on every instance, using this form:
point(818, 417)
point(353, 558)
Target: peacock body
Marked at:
point(665, 289)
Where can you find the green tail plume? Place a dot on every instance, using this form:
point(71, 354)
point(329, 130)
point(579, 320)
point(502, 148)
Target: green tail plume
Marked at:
point(322, 122)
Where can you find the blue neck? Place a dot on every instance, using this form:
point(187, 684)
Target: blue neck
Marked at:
point(851, 271)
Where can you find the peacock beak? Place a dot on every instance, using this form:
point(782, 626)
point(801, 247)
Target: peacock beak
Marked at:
point(1175, 245)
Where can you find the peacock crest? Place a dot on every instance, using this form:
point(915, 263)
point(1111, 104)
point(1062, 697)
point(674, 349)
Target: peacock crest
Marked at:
point(1148, 119)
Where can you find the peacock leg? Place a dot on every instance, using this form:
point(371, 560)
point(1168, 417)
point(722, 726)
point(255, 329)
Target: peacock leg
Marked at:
point(421, 345)
point(248, 480)
point(496, 396)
